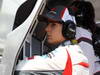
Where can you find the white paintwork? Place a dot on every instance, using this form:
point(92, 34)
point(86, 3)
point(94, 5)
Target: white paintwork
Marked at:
point(8, 10)
point(15, 38)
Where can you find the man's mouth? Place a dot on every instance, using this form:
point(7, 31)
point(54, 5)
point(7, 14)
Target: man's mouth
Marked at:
point(48, 36)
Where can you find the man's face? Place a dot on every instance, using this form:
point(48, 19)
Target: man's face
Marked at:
point(54, 33)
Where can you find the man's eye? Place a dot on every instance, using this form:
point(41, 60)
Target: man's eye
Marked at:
point(53, 24)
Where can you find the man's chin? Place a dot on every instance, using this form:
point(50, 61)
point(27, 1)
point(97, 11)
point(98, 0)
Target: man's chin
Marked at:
point(51, 42)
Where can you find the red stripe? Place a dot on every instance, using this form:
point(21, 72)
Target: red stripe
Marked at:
point(62, 12)
point(53, 9)
point(31, 58)
point(84, 64)
point(68, 68)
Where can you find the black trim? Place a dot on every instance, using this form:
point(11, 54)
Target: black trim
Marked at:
point(85, 40)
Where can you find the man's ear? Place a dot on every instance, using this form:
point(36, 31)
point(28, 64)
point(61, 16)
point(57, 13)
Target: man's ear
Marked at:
point(69, 29)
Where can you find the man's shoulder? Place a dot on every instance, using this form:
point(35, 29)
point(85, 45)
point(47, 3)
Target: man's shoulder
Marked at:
point(73, 47)
point(76, 54)
point(70, 48)
point(75, 50)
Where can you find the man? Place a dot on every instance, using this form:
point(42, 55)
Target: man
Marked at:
point(65, 57)
point(85, 18)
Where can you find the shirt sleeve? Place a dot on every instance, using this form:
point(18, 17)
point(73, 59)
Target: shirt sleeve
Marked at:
point(55, 60)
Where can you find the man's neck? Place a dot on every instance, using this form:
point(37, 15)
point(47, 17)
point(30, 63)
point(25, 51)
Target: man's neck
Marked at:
point(64, 43)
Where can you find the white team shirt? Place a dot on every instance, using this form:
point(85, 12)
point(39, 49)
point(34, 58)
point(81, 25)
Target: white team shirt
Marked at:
point(56, 60)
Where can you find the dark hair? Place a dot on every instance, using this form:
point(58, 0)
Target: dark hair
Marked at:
point(86, 9)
